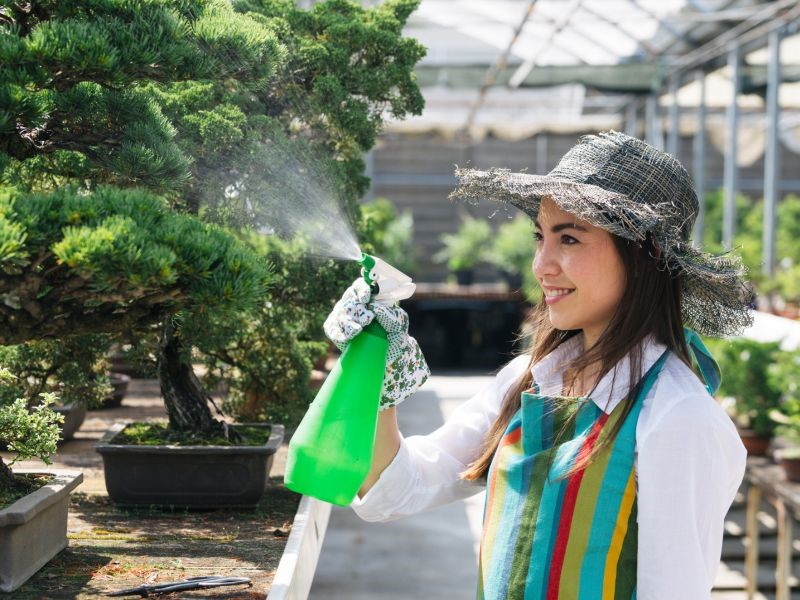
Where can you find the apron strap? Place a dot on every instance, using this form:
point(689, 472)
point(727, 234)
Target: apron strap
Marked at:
point(704, 360)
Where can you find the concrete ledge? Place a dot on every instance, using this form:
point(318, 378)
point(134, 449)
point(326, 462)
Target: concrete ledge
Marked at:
point(299, 562)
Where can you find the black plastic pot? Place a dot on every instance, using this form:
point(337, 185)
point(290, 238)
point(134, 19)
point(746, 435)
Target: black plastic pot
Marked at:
point(512, 280)
point(74, 415)
point(119, 383)
point(465, 276)
point(187, 476)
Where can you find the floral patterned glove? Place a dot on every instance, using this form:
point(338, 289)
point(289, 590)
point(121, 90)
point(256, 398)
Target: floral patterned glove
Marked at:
point(406, 369)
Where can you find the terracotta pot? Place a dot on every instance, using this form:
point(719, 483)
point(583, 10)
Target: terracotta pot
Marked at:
point(791, 466)
point(756, 445)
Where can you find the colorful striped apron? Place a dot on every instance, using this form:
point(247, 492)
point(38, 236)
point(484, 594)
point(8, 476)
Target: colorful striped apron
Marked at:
point(570, 539)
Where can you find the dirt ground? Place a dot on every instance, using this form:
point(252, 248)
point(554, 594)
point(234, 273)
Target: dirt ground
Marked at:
point(113, 548)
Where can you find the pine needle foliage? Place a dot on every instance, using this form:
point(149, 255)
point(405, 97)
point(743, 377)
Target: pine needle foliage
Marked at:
point(113, 259)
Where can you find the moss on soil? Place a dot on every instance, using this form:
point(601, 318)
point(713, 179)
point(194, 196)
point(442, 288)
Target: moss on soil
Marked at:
point(158, 434)
point(23, 485)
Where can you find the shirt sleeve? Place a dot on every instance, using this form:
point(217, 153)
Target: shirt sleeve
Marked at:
point(690, 466)
point(426, 471)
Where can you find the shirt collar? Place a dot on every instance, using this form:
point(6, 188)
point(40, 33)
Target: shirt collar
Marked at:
point(613, 387)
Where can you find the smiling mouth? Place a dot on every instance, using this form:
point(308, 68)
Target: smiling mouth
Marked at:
point(558, 293)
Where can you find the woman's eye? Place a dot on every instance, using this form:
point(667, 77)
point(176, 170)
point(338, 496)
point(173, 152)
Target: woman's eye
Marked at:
point(537, 236)
point(568, 239)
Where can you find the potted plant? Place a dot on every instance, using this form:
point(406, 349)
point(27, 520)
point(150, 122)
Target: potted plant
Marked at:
point(465, 248)
point(784, 374)
point(73, 369)
point(753, 393)
point(788, 429)
point(512, 250)
point(33, 504)
point(119, 387)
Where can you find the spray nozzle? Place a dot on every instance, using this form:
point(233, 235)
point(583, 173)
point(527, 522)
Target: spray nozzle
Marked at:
point(387, 283)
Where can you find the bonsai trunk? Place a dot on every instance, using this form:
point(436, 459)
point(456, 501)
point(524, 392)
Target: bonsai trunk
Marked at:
point(6, 476)
point(184, 397)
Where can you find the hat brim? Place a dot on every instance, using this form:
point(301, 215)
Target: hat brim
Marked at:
point(715, 297)
point(612, 211)
point(716, 300)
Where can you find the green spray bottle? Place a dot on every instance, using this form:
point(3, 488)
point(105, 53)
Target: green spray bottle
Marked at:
point(330, 454)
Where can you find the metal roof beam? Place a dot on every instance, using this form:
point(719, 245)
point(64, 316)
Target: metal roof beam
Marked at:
point(648, 48)
point(744, 33)
point(497, 67)
point(526, 67)
point(693, 29)
point(671, 29)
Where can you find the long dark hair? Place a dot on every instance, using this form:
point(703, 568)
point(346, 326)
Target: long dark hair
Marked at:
point(650, 305)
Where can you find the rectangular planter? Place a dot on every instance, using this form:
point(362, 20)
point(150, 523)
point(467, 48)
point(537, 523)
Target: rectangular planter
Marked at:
point(34, 529)
point(187, 476)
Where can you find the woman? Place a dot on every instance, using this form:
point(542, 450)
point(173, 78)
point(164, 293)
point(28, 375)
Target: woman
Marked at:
point(609, 467)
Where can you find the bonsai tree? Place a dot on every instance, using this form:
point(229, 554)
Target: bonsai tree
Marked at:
point(84, 250)
point(466, 247)
point(74, 369)
point(117, 118)
point(27, 432)
point(784, 374)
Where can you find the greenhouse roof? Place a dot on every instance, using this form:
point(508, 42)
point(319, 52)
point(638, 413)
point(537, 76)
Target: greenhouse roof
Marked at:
point(514, 67)
point(623, 44)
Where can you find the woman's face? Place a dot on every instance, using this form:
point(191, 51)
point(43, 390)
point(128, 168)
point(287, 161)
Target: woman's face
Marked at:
point(580, 270)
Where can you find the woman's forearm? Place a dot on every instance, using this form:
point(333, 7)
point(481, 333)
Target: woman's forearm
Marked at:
point(387, 443)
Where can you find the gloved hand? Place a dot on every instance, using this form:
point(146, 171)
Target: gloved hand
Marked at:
point(406, 369)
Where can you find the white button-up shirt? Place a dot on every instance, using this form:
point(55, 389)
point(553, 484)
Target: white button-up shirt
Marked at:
point(689, 464)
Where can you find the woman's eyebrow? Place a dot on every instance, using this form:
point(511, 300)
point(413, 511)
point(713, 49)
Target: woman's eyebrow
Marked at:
point(562, 227)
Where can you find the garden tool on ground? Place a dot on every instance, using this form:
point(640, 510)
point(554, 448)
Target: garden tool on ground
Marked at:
point(330, 454)
point(190, 583)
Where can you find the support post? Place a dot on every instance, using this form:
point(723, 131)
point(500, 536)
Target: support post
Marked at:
point(751, 531)
point(783, 565)
point(772, 152)
point(541, 153)
point(699, 162)
point(673, 135)
point(731, 169)
point(654, 133)
point(631, 115)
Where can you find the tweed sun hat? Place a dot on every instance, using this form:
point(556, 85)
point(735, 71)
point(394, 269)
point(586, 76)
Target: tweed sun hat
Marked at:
point(631, 189)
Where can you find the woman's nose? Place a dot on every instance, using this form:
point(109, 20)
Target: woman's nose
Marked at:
point(544, 263)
